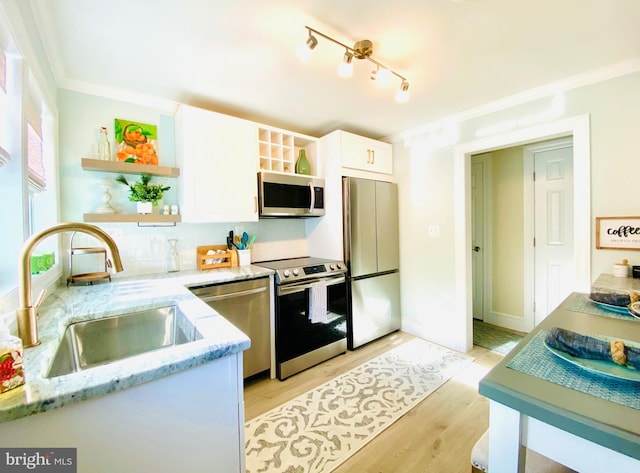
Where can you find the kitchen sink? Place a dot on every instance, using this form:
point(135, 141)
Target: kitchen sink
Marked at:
point(93, 343)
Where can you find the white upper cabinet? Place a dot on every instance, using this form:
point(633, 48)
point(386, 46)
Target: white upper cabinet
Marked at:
point(365, 154)
point(217, 158)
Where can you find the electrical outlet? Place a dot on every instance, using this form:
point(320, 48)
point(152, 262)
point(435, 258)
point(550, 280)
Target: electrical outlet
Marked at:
point(238, 230)
point(434, 231)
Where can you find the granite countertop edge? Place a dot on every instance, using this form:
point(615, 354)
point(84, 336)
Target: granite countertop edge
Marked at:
point(67, 305)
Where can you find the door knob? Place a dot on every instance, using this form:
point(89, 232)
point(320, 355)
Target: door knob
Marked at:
point(476, 248)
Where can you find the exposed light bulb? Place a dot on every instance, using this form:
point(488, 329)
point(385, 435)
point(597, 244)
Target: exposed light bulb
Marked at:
point(304, 49)
point(402, 95)
point(345, 68)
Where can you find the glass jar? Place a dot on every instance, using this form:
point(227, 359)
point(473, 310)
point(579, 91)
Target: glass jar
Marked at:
point(173, 258)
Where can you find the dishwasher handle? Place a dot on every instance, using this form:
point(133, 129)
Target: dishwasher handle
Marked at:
point(230, 295)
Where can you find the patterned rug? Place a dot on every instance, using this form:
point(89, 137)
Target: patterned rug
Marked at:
point(319, 430)
point(493, 338)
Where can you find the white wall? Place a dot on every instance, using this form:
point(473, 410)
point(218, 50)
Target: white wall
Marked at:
point(144, 249)
point(425, 170)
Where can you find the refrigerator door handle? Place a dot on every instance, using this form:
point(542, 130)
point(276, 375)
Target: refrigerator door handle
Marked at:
point(346, 217)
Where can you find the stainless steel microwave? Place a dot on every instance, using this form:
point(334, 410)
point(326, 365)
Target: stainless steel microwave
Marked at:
point(290, 195)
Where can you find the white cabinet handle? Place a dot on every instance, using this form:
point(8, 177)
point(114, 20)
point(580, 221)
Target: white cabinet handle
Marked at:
point(373, 156)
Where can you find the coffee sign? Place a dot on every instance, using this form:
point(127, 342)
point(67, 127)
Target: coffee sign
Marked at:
point(618, 233)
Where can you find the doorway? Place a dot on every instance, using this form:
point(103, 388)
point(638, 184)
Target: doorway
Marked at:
point(522, 232)
point(580, 280)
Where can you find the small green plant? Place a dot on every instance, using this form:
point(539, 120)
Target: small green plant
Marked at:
point(143, 190)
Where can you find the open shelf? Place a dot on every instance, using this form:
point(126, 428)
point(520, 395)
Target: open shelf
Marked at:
point(128, 168)
point(278, 150)
point(133, 218)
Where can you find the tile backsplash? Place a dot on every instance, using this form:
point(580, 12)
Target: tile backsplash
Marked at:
point(144, 249)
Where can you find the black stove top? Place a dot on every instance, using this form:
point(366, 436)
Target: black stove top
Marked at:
point(298, 269)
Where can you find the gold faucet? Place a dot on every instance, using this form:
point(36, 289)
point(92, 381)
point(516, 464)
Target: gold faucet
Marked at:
point(27, 311)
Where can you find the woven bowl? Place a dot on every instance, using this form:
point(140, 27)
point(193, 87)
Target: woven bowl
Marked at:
point(129, 142)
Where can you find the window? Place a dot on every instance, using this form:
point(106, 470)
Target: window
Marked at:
point(28, 177)
point(4, 154)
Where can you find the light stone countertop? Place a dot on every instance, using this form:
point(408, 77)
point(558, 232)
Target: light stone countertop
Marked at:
point(67, 305)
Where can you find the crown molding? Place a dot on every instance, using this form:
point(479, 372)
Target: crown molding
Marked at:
point(123, 95)
point(611, 71)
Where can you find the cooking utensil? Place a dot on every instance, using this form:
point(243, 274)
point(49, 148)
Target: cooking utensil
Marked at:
point(251, 240)
point(245, 239)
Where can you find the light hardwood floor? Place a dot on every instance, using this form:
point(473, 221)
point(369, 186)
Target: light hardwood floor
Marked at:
point(436, 436)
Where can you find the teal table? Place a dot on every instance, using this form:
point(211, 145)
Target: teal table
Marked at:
point(586, 421)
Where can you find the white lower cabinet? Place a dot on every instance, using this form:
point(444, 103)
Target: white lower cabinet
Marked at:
point(191, 421)
point(365, 154)
point(217, 159)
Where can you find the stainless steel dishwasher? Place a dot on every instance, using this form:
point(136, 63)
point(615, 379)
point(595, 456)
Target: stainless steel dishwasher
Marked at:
point(246, 305)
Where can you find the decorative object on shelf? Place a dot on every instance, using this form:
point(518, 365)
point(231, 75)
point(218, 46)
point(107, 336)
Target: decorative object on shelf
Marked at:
point(361, 50)
point(165, 210)
point(174, 209)
point(106, 208)
point(302, 164)
point(173, 258)
point(144, 192)
point(136, 142)
point(104, 145)
point(144, 207)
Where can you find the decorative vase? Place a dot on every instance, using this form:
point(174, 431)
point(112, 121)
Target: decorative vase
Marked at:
point(302, 164)
point(144, 207)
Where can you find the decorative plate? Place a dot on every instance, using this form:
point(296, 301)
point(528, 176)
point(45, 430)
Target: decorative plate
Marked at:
point(612, 308)
point(634, 309)
point(606, 368)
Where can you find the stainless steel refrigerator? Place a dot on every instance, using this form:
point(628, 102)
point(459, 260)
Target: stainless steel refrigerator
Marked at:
point(371, 251)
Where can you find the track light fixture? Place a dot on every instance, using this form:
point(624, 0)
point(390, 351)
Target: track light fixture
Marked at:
point(361, 50)
point(345, 69)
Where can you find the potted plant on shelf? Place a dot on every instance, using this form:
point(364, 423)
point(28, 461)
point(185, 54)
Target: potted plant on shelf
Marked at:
point(144, 193)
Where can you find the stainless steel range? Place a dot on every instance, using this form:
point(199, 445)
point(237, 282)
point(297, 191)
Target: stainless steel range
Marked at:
point(310, 312)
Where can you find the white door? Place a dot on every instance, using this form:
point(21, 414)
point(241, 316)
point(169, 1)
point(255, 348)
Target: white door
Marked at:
point(477, 238)
point(553, 221)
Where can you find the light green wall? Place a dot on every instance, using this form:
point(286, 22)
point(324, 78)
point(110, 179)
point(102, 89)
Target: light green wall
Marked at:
point(507, 282)
point(144, 248)
point(424, 169)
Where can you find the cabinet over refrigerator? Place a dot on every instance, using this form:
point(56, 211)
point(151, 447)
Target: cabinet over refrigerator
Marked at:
point(371, 252)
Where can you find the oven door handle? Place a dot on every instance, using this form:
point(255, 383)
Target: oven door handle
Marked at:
point(285, 289)
point(231, 295)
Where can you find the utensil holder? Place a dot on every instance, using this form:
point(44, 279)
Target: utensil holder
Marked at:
point(244, 257)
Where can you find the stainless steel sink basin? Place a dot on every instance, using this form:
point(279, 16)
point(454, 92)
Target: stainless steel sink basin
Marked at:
point(97, 342)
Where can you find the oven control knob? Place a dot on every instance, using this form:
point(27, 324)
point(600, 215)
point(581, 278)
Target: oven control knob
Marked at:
point(339, 265)
point(296, 272)
point(332, 267)
point(286, 273)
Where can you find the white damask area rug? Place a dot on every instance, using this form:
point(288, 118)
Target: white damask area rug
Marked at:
point(319, 430)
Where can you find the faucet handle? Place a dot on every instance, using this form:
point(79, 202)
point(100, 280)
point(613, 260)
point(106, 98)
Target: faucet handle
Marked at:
point(39, 300)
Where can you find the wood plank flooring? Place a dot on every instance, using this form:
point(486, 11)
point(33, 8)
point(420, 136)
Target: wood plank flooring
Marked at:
point(436, 436)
